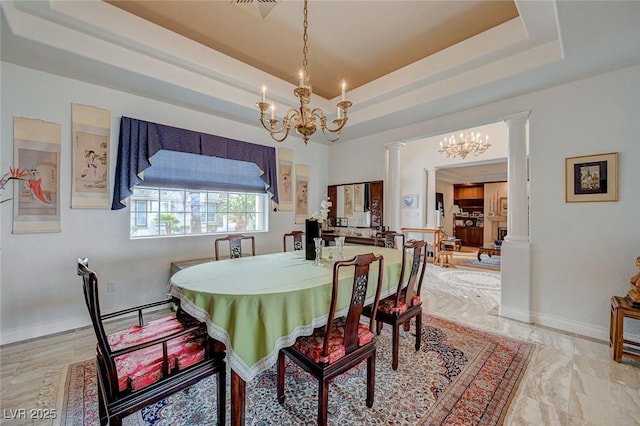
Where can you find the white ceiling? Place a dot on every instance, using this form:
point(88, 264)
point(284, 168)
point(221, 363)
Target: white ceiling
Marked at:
point(549, 43)
point(485, 172)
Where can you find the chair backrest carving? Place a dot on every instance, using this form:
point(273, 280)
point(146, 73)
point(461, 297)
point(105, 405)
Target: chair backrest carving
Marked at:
point(235, 245)
point(416, 273)
point(297, 240)
point(362, 264)
point(389, 239)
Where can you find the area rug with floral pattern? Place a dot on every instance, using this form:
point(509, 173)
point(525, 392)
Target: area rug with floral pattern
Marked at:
point(469, 259)
point(460, 376)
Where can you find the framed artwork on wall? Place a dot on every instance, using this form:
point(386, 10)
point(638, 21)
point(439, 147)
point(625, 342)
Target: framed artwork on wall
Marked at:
point(591, 178)
point(502, 206)
point(90, 131)
point(36, 150)
point(410, 201)
point(285, 179)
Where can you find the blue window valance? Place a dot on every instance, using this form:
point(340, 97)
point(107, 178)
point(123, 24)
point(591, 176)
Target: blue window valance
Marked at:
point(173, 169)
point(140, 140)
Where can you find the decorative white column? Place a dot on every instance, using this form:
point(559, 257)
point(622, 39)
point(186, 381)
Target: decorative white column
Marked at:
point(430, 200)
point(517, 194)
point(392, 190)
point(515, 296)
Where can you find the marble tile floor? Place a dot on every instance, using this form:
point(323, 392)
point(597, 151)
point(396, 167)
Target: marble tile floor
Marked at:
point(571, 380)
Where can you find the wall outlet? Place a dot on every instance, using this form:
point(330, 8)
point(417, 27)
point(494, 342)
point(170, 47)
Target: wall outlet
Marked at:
point(111, 287)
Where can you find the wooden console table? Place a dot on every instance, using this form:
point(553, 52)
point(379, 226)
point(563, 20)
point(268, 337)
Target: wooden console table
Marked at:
point(433, 245)
point(179, 266)
point(434, 231)
point(350, 239)
point(490, 251)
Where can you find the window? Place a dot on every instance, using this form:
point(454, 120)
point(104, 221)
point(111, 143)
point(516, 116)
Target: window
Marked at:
point(140, 209)
point(159, 212)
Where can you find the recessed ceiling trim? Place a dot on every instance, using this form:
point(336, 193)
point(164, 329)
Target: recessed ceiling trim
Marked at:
point(258, 8)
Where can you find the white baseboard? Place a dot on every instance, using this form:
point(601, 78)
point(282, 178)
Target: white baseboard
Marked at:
point(562, 324)
point(569, 326)
point(515, 314)
point(41, 330)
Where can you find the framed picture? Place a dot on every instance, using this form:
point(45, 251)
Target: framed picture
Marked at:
point(91, 129)
point(410, 201)
point(591, 178)
point(502, 206)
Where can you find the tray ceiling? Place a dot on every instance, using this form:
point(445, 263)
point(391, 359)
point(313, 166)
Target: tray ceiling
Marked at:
point(359, 41)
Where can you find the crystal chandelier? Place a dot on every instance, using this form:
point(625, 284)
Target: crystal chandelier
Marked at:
point(304, 118)
point(467, 143)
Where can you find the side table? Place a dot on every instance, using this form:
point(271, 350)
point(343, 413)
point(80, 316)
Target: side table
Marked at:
point(621, 309)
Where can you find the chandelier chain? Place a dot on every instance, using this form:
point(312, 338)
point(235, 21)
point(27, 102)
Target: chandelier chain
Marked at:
point(304, 120)
point(305, 38)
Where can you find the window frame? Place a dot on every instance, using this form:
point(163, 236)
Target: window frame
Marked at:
point(177, 205)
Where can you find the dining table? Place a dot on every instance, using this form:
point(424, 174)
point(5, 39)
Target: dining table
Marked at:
point(258, 305)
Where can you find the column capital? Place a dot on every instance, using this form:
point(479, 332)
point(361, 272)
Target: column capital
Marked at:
point(518, 116)
point(394, 145)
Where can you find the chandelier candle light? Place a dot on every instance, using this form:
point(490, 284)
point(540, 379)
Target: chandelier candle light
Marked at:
point(468, 142)
point(304, 118)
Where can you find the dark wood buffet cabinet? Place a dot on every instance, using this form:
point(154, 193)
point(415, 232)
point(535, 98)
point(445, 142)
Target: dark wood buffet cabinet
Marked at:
point(471, 236)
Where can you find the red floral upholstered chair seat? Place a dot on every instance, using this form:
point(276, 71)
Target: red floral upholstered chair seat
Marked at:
point(144, 363)
point(342, 342)
point(388, 305)
point(311, 346)
point(144, 367)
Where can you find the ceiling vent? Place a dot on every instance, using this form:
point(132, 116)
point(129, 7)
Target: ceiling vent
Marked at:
point(258, 8)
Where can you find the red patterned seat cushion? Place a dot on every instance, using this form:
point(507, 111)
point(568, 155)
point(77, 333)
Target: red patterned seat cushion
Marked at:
point(139, 334)
point(144, 367)
point(388, 305)
point(311, 346)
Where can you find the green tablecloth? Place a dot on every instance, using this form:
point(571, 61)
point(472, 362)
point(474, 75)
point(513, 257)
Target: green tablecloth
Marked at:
point(260, 304)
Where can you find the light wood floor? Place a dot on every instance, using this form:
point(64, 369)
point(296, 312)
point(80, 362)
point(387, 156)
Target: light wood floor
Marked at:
point(571, 381)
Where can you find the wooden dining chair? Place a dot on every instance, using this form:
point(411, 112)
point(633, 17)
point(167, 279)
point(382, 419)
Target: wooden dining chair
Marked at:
point(405, 304)
point(235, 245)
point(144, 363)
point(343, 342)
point(389, 239)
point(297, 240)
